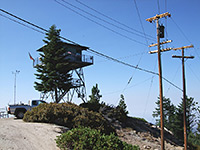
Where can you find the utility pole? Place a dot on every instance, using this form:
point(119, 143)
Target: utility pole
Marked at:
point(157, 17)
point(15, 73)
point(184, 89)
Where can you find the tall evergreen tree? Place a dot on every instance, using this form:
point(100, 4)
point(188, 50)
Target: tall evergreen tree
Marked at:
point(53, 71)
point(192, 116)
point(168, 113)
point(122, 105)
point(95, 96)
point(173, 116)
point(194, 138)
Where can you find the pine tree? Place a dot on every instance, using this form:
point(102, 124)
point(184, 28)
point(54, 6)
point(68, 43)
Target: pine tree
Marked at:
point(178, 121)
point(173, 116)
point(53, 70)
point(95, 96)
point(122, 105)
point(194, 138)
point(192, 114)
point(168, 113)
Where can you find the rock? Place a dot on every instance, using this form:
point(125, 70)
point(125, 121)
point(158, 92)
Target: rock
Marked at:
point(147, 147)
point(146, 136)
point(143, 139)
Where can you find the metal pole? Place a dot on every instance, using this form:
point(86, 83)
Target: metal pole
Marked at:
point(15, 84)
point(184, 102)
point(160, 87)
point(15, 89)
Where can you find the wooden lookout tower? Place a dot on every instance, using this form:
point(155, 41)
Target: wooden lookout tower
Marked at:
point(76, 61)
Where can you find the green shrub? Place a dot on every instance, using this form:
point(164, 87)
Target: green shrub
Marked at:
point(69, 115)
point(112, 112)
point(119, 114)
point(92, 106)
point(90, 139)
point(93, 120)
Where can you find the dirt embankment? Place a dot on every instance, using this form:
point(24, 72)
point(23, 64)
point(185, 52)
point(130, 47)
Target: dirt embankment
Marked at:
point(146, 135)
point(18, 135)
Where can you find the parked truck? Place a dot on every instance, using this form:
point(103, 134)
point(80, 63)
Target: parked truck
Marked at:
point(20, 109)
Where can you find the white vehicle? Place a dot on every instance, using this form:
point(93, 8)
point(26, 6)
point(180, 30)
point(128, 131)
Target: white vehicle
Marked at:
point(20, 109)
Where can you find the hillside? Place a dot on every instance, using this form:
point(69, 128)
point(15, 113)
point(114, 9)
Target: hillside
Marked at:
point(146, 135)
point(16, 134)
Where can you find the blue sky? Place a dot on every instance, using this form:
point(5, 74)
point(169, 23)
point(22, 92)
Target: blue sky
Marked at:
point(16, 41)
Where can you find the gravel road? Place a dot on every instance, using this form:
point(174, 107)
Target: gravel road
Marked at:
point(16, 134)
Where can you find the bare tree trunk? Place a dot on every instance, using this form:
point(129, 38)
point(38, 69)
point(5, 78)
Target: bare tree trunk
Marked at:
point(56, 95)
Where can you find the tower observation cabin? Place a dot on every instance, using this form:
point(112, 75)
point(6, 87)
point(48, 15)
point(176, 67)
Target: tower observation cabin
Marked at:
point(75, 63)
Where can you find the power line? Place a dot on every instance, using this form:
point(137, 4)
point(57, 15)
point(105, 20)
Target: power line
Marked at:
point(142, 29)
point(193, 73)
point(166, 26)
point(118, 33)
point(36, 26)
point(22, 24)
point(180, 30)
point(126, 57)
point(24, 20)
point(104, 20)
point(95, 52)
point(133, 55)
point(158, 6)
point(132, 75)
point(140, 21)
point(141, 55)
point(132, 66)
point(136, 84)
point(165, 5)
point(121, 62)
point(148, 95)
point(172, 79)
point(149, 90)
point(196, 51)
point(113, 19)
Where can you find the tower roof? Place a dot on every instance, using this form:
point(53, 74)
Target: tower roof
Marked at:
point(64, 44)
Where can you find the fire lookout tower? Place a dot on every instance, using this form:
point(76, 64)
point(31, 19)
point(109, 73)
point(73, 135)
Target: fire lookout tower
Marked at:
point(76, 61)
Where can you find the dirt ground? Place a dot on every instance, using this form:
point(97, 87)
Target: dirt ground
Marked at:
point(144, 140)
point(18, 135)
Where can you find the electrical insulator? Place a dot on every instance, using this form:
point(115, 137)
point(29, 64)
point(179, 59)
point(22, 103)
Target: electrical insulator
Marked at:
point(162, 31)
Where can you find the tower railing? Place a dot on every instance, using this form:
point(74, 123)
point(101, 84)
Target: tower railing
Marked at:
point(72, 58)
point(87, 58)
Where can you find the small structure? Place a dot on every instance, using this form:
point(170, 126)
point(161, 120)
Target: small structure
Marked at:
point(76, 62)
point(3, 113)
